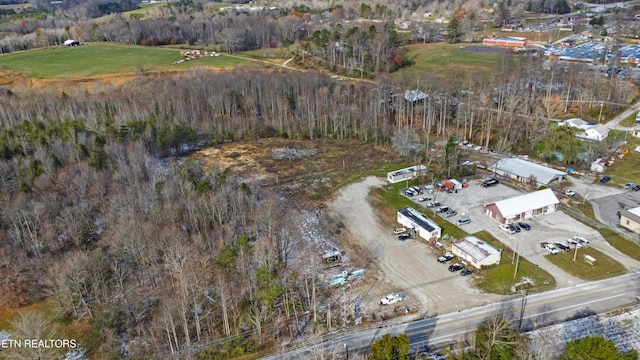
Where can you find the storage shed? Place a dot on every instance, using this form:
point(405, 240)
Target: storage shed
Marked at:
point(523, 170)
point(424, 227)
point(523, 207)
point(475, 252)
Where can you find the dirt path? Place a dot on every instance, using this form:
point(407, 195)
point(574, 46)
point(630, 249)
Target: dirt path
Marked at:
point(408, 266)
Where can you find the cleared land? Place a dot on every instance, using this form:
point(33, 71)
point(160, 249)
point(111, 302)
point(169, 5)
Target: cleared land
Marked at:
point(105, 59)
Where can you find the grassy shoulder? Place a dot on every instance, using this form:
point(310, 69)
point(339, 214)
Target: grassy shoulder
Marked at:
point(105, 59)
point(603, 267)
point(629, 121)
point(505, 278)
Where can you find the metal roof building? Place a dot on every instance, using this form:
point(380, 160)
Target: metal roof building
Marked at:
point(476, 252)
point(523, 206)
point(425, 227)
point(522, 170)
point(630, 219)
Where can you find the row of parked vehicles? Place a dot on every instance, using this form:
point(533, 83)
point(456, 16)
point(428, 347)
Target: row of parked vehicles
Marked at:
point(448, 256)
point(554, 248)
point(515, 228)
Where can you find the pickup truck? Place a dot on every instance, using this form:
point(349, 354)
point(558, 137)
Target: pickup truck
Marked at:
point(392, 299)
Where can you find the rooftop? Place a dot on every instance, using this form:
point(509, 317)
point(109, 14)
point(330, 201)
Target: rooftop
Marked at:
point(526, 169)
point(476, 248)
point(523, 203)
point(419, 219)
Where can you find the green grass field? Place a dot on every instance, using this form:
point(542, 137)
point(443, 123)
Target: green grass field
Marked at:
point(603, 267)
point(104, 59)
point(629, 121)
point(628, 168)
point(442, 59)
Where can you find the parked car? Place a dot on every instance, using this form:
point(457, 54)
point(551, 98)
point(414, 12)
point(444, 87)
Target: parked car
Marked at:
point(636, 188)
point(398, 231)
point(569, 192)
point(456, 267)
point(466, 272)
point(449, 213)
point(629, 185)
point(392, 299)
point(507, 228)
point(490, 182)
point(562, 246)
point(429, 188)
point(605, 179)
point(446, 257)
point(442, 209)
point(524, 226)
point(580, 240)
point(543, 244)
point(424, 198)
point(404, 237)
point(515, 227)
point(437, 204)
point(429, 204)
point(551, 248)
point(463, 220)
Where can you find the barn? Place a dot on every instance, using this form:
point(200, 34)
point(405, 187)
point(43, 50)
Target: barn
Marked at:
point(523, 170)
point(523, 207)
point(423, 226)
point(475, 252)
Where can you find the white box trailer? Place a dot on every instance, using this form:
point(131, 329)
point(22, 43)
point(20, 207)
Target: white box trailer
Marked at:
point(457, 185)
point(406, 174)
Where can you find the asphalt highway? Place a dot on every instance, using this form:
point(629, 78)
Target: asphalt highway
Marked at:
point(529, 311)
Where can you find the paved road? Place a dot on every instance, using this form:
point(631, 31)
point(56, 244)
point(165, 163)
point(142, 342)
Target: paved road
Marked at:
point(615, 122)
point(539, 309)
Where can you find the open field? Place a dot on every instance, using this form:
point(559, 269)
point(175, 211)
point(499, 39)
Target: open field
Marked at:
point(104, 59)
point(603, 267)
point(443, 59)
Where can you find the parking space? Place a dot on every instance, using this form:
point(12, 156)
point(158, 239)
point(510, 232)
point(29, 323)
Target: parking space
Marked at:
point(551, 227)
point(606, 208)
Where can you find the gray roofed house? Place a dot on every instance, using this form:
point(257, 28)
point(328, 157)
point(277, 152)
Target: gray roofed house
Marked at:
point(425, 227)
point(476, 252)
point(522, 170)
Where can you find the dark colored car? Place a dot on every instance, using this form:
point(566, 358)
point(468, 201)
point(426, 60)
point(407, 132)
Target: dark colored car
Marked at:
point(404, 237)
point(524, 226)
point(605, 179)
point(490, 182)
point(466, 272)
point(515, 227)
point(636, 188)
point(563, 247)
point(456, 267)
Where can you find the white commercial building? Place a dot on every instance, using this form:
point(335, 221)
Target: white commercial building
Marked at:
point(475, 252)
point(523, 170)
point(406, 173)
point(523, 206)
point(424, 227)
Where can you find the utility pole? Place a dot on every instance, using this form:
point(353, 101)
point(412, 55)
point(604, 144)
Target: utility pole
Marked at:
point(524, 300)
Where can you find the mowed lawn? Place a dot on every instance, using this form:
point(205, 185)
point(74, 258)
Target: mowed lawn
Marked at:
point(104, 59)
point(442, 59)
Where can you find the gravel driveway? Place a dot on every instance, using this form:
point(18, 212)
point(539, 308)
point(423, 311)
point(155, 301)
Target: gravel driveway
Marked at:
point(408, 266)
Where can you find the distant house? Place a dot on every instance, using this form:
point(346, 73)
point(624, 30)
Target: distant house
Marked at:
point(599, 165)
point(523, 207)
point(630, 219)
point(70, 43)
point(425, 227)
point(522, 170)
point(414, 95)
point(475, 252)
point(590, 130)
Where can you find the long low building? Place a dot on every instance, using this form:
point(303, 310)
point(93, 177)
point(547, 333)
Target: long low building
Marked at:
point(630, 219)
point(523, 171)
point(424, 227)
point(475, 252)
point(523, 207)
point(406, 173)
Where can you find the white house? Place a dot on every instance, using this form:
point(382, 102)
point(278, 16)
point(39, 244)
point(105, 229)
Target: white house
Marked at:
point(425, 227)
point(590, 130)
point(523, 206)
point(475, 252)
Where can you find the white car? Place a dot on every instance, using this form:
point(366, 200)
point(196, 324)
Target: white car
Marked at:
point(579, 241)
point(397, 231)
point(392, 299)
point(424, 198)
point(569, 192)
point(552, 249)
point(629, 185)
point(507, 228)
